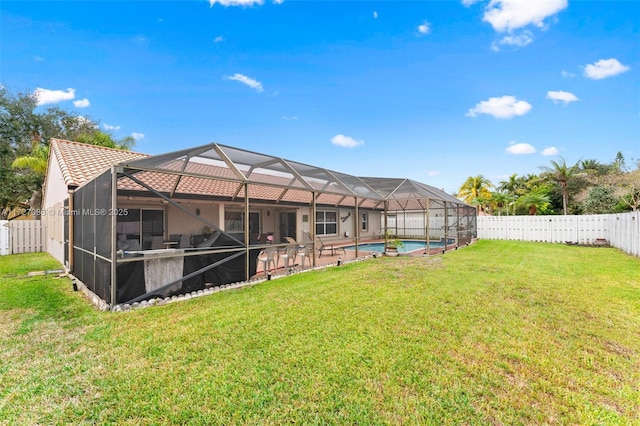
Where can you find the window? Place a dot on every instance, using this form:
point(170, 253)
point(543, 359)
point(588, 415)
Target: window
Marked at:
point(234, 222)
point(326, 222)
point(140, 226)
point(365, 221)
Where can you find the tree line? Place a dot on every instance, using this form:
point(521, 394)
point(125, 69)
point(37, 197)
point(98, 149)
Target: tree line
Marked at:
point(587, 187)
point(25, 133)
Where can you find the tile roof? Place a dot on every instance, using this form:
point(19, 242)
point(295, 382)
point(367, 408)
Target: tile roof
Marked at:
point(81, 162)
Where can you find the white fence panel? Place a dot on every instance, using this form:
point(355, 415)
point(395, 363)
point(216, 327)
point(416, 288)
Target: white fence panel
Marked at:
point(5, 247)
point(620, 230)
point(592, 227)
point(27, 236)
point(625, 232)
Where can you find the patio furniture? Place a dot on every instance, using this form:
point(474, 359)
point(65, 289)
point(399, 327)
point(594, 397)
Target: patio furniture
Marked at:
point(289, 256)
point(185, 241)
point(329, 247)
point(169, 244)
point(290, 240)
point(268, 256)
point(303, 252)
point(157, 242)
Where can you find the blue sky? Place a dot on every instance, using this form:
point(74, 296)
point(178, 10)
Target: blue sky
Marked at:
point(435, 91)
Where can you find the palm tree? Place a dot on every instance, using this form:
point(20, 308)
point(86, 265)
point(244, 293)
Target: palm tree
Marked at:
point(590, 166)
point(475, 190)
point(510, 186)
point(560, 173)
point(534, 201)
point(501, 201)
point(36, 161)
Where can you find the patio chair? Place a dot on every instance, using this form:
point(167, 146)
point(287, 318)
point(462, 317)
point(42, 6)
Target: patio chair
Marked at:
point(303, 252)
point(289, 256)
point(268, 256)
point(185, 241)
point(157, 242)
point(329, 247)
point(293, 242)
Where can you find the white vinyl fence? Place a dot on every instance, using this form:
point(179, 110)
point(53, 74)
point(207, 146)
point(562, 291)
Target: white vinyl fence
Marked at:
point(4, 238)
point(619, 230)
point(22, 236)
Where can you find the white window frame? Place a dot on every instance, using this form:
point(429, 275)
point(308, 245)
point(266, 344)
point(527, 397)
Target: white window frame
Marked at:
point(324, 223)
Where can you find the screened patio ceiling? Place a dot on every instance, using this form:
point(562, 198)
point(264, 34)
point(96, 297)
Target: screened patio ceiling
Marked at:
point(222, 171)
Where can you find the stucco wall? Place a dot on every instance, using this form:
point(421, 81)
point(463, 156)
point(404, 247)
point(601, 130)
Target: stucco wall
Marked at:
point(52, 203)
point(182, 223)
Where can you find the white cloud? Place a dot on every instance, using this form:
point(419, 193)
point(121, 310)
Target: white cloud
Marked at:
point(567, 74)
point(469, 2)
point(38, 59)
point(375, 15)
point(254, 84)
point(278, 1)
point(218, 39)
point(433, 173)
point(552, 150)
point(604, 68)
point(137, 136)
point(81, 103)
point(346, 141)
point(509, 15)
point(424, 28)
point(46, 96)
point(520, 149)
point(520, 40)
point(501, 107)
point(289, 117)
point(560, 96)
point(110, 128)
point(235, 2)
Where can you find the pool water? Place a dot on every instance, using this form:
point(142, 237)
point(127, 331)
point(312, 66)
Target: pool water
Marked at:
point(408, 246)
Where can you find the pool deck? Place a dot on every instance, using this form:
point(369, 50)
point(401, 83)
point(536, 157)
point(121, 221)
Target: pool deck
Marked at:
point(328, 259)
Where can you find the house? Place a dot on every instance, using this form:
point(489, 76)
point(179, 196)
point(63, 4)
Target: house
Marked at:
point(132, 226)
point(71, 165)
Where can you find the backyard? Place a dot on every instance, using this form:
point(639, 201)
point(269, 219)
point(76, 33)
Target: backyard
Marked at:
point(495, 333)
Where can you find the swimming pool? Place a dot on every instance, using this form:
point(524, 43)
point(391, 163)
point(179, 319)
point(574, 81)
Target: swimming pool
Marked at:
point(408, 246)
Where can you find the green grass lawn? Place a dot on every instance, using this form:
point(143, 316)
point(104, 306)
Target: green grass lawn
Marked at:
point(495, 333)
